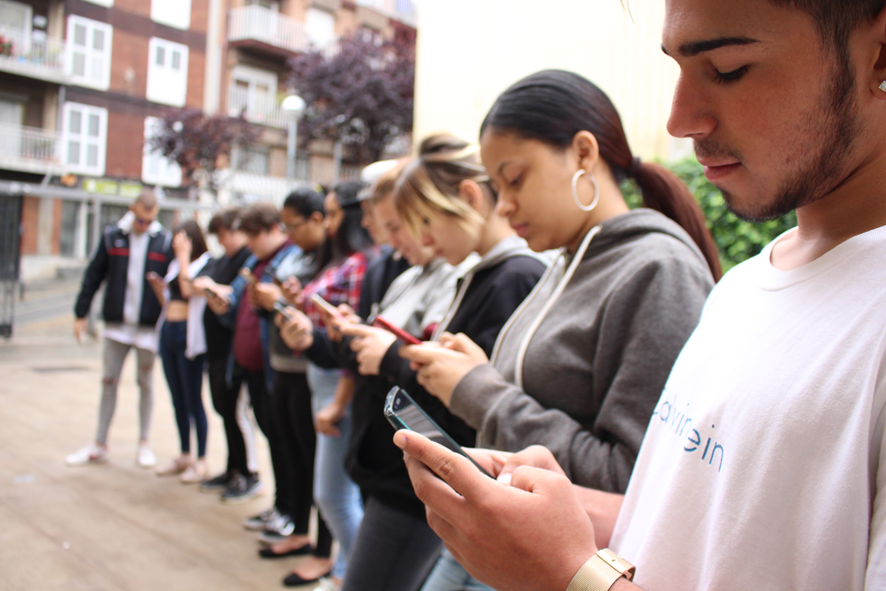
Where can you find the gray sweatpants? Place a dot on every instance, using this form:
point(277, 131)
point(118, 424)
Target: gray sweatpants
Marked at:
point(115, 354)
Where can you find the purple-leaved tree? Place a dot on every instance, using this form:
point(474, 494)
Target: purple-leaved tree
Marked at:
point(197, 141)
point(362, 95)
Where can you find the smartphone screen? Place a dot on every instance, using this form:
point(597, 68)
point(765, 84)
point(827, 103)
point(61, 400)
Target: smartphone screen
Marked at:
point(397, 331)
point(327, 307)
point(209, 293)
point(404, 413)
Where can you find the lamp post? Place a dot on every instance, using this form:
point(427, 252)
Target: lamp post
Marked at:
point(294, 105)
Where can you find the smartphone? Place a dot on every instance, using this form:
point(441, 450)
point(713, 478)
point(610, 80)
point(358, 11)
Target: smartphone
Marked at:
point(209, 293)
point(327, 307)
point(281, 309)
point(398, 332)
point(246, 274)
point(404, 413)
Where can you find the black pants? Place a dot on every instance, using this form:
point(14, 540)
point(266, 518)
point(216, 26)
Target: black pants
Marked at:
point(224, 399)
point(260, 398)
point(394, 551)
point(291, 409)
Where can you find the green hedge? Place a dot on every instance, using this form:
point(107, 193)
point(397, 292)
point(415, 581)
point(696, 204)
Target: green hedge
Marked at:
point(737, 240)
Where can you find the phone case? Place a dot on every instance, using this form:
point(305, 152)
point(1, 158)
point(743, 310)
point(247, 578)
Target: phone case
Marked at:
point(396, 330)
point(404, 413)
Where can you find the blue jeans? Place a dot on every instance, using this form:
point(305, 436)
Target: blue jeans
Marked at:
point(449, 575)
point(185, 379)
point(336, 495)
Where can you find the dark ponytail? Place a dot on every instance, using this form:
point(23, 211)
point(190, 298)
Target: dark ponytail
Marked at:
point(553, 105)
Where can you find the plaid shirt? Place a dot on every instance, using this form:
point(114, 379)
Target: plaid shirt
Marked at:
point(337, 285)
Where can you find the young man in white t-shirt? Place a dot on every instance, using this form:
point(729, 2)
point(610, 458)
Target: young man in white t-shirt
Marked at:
point(762, 465)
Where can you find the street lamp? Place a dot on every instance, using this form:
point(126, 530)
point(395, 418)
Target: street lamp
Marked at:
point(294, 105)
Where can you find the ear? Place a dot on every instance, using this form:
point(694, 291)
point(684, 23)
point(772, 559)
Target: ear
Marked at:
point(878, 80)
point(586, 149)
point(471, 192)
point(316, 217)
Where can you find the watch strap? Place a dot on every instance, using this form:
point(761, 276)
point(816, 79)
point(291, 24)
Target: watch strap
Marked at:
point(601, 571)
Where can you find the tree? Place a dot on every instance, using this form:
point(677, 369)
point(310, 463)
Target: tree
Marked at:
point(361, 95)
point(197, 141)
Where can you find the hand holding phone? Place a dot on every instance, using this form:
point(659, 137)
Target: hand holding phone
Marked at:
point(281, 309)
point(397, 331)
point(404, 413)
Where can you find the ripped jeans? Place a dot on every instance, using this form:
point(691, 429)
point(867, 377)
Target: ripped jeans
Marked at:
point(114, 356)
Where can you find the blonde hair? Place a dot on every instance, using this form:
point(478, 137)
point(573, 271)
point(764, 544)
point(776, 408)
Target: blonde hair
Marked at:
point(387, 182)
point(429, 184)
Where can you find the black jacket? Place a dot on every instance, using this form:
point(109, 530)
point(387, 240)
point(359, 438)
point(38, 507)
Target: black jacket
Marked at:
point(110, 263)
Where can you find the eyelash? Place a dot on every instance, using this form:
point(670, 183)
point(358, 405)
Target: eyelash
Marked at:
point(727, 77)
point(516, 181)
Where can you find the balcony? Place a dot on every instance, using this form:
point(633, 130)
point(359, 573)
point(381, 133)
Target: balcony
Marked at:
point(260, 108)
point(27, 54)
point(29, 149)
point(261, 28)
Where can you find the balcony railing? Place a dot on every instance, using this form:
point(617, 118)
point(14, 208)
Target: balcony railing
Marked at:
point(257, 108)
point(27, 54)
point(255, 23)
point(29, 149)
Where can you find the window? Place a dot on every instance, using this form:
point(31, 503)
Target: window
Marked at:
point(89, 52)
point(255, 160)
point(156, 169)
point(167, 72)
point(252, 89)
point(15, 22)
point(320, 27)
point(173, 13)
point(84, 138)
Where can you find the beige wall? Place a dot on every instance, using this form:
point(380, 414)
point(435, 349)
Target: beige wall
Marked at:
point(469, 51)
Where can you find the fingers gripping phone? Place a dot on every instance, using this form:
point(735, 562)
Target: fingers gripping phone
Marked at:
point(281, 309)
point(397, 331)
point(404, 413)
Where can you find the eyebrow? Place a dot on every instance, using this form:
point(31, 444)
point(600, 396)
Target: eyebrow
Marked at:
point(694, 48)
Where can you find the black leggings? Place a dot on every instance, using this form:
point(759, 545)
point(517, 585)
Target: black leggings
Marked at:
point(394, 551)
point(291, 411)
point(224, 399)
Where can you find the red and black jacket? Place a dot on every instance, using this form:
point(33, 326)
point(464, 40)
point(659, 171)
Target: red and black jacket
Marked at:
point(110, 263)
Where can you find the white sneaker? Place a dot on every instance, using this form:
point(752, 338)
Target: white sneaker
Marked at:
point(196, 472)
point(145, 458)
point(91, 454)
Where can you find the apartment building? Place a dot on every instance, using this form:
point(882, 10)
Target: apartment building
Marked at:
point(81, 85)
point(248, 64)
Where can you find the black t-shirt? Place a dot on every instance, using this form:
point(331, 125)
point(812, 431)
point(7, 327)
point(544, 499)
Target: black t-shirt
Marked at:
point(223, 271)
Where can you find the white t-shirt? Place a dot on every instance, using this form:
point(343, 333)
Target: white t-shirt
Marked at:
point(129, 332)
point(762, 465)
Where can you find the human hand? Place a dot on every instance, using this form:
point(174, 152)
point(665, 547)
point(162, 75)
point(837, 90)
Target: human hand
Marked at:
point(327, 418)
point(441, 366)
point(370, 344)
point(182, 245)
point(218, 297)
point(264, 295)
point(292, 292)
point(297, 331)
point(533, 535)
point(81, 326)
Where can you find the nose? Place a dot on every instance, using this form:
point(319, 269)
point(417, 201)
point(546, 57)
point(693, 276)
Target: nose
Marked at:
point(691, 111)
point(505, 205)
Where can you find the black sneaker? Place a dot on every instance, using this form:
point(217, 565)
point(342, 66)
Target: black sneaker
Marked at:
point(217, 484)
point(242, 489)
point(277, 530)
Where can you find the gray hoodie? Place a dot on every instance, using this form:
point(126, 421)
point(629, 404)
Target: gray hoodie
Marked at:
point(598, 361)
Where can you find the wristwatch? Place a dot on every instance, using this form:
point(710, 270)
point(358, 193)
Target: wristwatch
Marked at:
point(601, 571)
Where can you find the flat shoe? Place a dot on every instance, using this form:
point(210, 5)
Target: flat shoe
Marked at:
point(300, 551)
point(293, 580)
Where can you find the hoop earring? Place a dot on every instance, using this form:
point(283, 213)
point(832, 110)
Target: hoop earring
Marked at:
point(593, 203)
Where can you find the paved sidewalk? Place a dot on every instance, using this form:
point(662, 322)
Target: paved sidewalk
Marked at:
point(113, 526)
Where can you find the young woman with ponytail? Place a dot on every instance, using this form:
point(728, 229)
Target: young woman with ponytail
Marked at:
point(580, 365)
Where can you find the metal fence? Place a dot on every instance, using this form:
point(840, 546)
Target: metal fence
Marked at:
point(10, 239)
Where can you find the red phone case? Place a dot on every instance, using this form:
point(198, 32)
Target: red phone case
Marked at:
point(399, 332)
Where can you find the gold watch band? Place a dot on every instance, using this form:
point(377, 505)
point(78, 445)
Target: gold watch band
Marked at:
point(601, 571)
